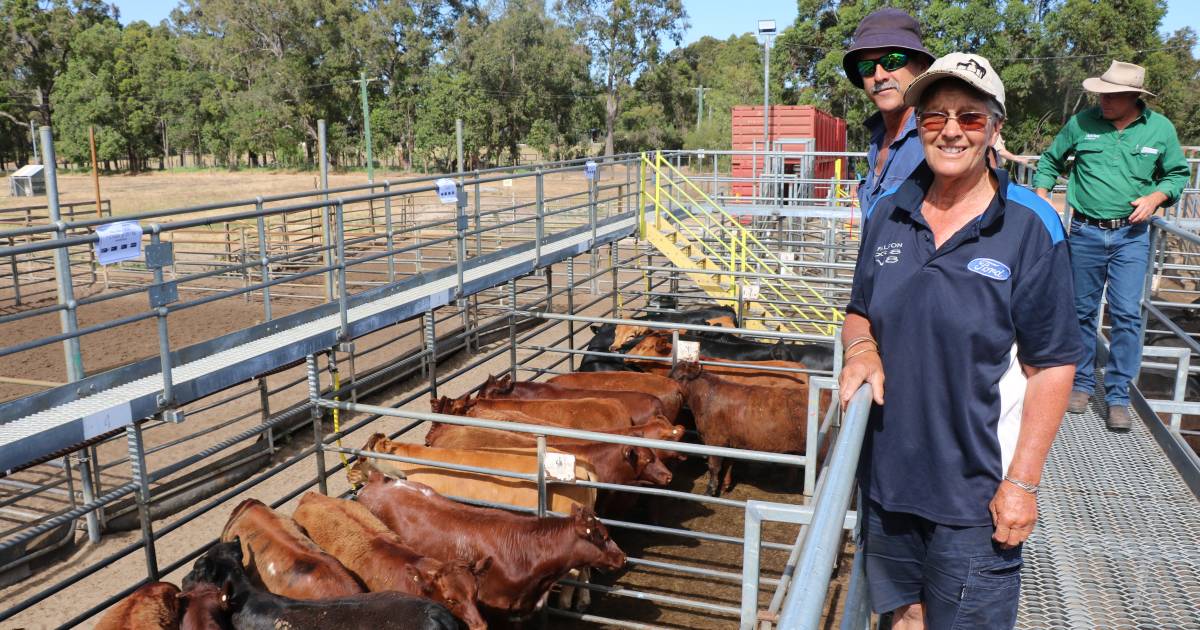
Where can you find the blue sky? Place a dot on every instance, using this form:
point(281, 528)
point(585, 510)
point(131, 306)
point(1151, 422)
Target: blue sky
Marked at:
point(718, 18)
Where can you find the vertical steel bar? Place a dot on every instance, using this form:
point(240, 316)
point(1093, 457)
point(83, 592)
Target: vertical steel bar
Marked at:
point(262, 260)
point(366, 112)
point(751, 548)
point(541, 475)
point(325, 253)
point(12, 263)
point(458, 141)
point(314, 394)
point(616, 283)
point(540, 223)
point(512, 330)
point(431, 351)
point(389, 230)
point(68, 317)
point(89, 495)
point(167, 398)
point(343, 294)
point(571, 310)
point(264, 406)
point(137, 464)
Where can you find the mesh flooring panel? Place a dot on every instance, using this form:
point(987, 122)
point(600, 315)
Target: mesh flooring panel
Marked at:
point(1117, 543)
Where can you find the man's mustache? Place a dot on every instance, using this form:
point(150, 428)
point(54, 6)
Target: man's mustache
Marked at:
point(879, 87)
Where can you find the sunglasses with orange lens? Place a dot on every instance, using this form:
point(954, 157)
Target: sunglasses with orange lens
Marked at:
point(967, 121)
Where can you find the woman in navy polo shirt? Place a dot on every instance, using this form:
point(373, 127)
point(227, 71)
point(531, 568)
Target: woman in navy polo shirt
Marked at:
point(962, 297)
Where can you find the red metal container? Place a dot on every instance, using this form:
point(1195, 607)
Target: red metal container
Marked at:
point(788, 123)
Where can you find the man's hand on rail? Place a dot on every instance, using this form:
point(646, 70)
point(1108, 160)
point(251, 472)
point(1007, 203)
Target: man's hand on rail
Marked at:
point(866, 367)
point(1014, 512)
point(1145, 206)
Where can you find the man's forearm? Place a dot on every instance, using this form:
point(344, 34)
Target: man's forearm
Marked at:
point(1045, 403)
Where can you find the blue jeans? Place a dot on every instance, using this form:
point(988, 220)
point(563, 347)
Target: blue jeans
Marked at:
point(965, 580)
point(1120, 258)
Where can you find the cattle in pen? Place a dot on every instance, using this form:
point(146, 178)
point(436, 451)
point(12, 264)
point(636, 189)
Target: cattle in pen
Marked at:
point(153, 606)
point(642, 408)
point(668, 392)
point(589, 414)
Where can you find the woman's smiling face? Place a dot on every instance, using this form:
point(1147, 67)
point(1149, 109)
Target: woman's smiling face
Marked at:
point(960, 146)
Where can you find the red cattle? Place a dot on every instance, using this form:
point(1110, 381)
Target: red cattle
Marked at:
point(642, 408)
point(529, 554)
point(589, 414)
point(285, 560)
point(382, 561)
point(205, 607)
point(452, 436)
point(668, 392)
point(747, 372)
point(742, 416)
point(153, 606)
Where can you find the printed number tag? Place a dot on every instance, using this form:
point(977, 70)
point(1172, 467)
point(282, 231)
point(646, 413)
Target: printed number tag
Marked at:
point(118, 241)
point(447, 190)
point(787, 258)
point(589, 169)
point(750, 291)
point(507, 183)
point(560, 466)
point(688, 351)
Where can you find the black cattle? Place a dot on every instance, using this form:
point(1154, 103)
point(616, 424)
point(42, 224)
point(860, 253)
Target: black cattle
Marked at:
point(603, 336)
point(253, 608)
point(729, 346)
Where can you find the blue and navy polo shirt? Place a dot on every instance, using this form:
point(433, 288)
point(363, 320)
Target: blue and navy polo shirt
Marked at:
point(954, 324)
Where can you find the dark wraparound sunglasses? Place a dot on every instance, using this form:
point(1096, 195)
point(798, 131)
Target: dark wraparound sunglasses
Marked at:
point(891, 62)
point(967, 121)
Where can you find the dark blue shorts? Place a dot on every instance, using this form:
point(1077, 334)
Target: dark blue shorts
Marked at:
point(964, 578)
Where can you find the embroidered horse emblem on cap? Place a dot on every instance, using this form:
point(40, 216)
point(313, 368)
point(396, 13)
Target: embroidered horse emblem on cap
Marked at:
point(973, 67)
point(989, 268)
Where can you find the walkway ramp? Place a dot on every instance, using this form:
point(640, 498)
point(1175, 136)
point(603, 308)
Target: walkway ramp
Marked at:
point(1117, 543)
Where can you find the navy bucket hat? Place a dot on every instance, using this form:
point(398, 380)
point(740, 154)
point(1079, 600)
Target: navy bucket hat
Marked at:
point(885, 28)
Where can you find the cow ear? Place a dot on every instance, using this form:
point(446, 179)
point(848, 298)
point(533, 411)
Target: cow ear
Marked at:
point(481, 566)
point(595, 329)
point(629, 453)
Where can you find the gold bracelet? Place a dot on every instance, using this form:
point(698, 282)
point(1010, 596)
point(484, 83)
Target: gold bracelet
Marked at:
point(858, 340)
point(863, 351)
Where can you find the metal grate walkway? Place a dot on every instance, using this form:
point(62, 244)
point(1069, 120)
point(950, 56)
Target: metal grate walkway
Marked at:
point(1117, 544)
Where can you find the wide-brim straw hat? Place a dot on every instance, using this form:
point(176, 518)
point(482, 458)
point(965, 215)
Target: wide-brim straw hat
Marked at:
point(1120, 77)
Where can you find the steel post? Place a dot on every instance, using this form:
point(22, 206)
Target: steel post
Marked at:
point(89, 494)
point(366, 112)
point(325, 254)
point(167, 398)
point(431, 351)
point(571, 310)
point(458, 141)
point(540, 222)
point(137, 464)
point(343, 294)
point(264, 406)
point(512, 331)
point(541, 475)
point(68, 317)
point(389, 230)
point(314, 395)
point(264, 262)
point(616, 284)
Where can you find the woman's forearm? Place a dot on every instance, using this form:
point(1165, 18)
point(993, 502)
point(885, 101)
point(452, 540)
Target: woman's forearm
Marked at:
point(1045, 403)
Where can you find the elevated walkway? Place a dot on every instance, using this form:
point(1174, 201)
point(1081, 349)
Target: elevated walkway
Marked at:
point(1117, 543)
point(36, 426)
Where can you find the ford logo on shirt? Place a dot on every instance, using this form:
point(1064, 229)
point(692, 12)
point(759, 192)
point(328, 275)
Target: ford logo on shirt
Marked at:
point(993, 269)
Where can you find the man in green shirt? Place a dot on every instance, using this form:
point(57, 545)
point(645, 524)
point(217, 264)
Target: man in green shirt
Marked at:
point(1128, 164)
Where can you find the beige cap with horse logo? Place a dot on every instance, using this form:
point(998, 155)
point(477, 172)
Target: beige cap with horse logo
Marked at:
point(1120, 77)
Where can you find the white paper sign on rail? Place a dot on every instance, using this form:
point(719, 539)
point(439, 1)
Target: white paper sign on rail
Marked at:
point(560, 466)
point(787, 258)
point(750, 291)
point(688, 351)
point(118, 241)
point(590, 169)
point(447, 190)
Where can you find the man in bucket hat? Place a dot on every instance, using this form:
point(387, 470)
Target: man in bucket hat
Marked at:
point(1128, 163)
point(884, 57)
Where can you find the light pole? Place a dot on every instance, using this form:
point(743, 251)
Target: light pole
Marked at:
point(766, 30)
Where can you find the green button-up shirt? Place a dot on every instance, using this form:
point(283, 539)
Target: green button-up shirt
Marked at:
point(1112, 168)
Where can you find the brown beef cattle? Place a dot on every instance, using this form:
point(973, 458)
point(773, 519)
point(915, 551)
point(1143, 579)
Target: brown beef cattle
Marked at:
point(748, 373)
point(457, 436)
point(589, 414)
point(742, 416)
point(668, 392)
point(285, 560)
point(475, 486)
point(642, 408)
point(528, 553)
point(153, 606)
point(204, 608)
point(381, 560)
point(218, 584)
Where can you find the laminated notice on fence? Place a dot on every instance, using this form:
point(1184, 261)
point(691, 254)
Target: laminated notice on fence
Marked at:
point(787, 258)
point(560, 466)
point(118, 241)
point(688, 351)
point(750, 291)
point(507, 183)
point(590, 169)
point(447, 190)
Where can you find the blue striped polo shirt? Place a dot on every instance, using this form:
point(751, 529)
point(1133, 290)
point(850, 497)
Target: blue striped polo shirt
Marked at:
point(954, 325)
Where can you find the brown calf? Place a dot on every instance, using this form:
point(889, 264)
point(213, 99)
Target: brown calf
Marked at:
point(590, 414)
point(456, 436)
point(379, 558)
point(286, 561)
point(475, 486)
point(748, 372)
point(668, 392)
point(742, 416)
point(153, 606)
point(528, 553)
point(205, 607)
point(642, 408)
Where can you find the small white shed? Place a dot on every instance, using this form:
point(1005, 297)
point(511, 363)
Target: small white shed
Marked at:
point(28, 181)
